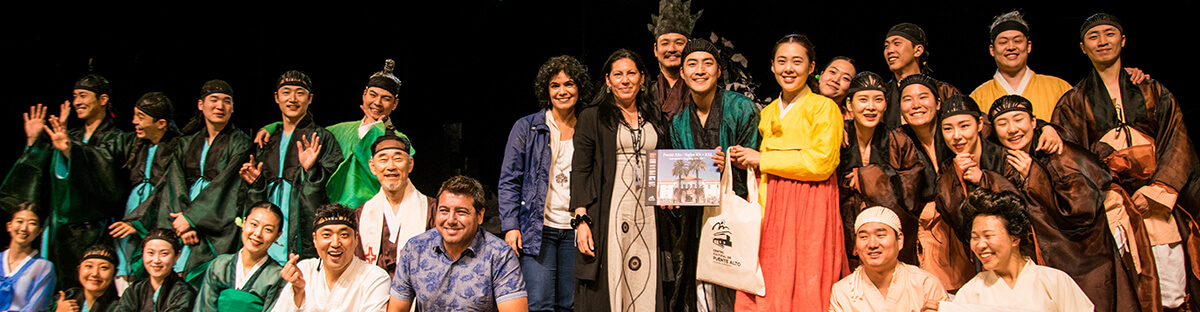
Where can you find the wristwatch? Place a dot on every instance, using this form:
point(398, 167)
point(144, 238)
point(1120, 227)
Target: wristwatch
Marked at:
point(583, 218)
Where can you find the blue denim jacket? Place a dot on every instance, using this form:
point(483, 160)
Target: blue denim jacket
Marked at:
point(525, 180)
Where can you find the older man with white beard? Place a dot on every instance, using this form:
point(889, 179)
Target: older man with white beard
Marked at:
point(398, 211)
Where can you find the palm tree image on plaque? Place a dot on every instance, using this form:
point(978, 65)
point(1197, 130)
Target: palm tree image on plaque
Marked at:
point(693, 180)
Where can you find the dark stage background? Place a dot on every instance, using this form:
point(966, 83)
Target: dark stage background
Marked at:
point(468, 67)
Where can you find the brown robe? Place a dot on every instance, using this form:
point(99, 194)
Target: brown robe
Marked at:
point(388, 251)
point(937, 249)
point(893, 178)
point(1066, 194)
point(671, 98)
point(1086, 113)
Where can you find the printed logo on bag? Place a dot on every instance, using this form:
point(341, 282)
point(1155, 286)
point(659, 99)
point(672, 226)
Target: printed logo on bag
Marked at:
point(723, 238)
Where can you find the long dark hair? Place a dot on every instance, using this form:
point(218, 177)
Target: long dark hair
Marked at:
point(607, 110)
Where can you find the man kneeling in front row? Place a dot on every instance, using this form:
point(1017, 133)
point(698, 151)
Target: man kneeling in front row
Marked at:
point(458, 267)
point(883, 283)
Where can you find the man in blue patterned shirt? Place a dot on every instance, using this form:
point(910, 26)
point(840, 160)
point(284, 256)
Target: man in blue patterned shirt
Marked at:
point(458, 267)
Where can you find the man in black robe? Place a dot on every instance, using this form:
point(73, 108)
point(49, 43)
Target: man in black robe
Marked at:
point(292, 168)
point(71, 227)
point(904, 49)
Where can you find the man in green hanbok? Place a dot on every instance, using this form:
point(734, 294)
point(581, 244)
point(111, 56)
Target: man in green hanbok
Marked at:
point(353, 183)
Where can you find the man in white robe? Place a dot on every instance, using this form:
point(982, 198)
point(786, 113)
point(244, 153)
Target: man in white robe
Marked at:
point(337, 281)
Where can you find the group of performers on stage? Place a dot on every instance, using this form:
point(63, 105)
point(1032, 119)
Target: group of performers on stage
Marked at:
point(1028, 194)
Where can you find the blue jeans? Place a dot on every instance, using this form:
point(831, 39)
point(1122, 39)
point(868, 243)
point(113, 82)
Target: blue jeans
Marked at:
point(550, 276)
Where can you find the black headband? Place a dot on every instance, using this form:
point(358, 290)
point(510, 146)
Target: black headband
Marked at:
point(866, 81)
point(95, 83)
point(336, 221)
point(215, 86)
point(294, 78)
point(1009, 25)
point(909, 31)
point(1009, 103)
point(958, 104)
point(100, 255)
point(171, 239)
point(1097, 20)
point(156, 105)
point(920, 79)
point(390, 135)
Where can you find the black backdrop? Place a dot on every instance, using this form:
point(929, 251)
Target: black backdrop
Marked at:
point(472, 63)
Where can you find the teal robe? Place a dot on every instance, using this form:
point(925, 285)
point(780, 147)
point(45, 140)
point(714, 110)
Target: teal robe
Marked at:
point(262, 286)
point(105, 303)
point(203, 182)
point(104, 164)
point(173, 296)
point(73, 224)
point(296, 191)
point(732, 120)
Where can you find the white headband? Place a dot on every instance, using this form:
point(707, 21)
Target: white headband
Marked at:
point(878, 214)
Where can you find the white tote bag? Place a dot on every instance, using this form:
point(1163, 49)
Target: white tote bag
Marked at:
point(729, 241)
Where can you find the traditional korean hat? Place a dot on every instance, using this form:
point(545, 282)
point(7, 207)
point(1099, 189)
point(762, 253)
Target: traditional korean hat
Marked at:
point(384, 79)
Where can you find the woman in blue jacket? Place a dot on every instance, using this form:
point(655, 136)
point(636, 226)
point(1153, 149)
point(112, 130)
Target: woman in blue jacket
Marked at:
point(535, 185)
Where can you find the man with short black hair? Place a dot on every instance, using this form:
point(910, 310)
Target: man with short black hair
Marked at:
point(299, 159)
point(671, 28)
point(458, 267)
point(337, 280)
point(904, 49)
point(1138, 131)
point(71, 227)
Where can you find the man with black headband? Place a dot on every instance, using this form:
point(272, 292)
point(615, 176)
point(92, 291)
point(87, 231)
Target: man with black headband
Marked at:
point(1138, 131)
point(671, 28)
point(1010, 48)
point(353, 183)
point(398, 211)
point(71, 226)
point(203, 192)
point(711, 118)
point(298, 159)
point(135, 163)
point(1066, 194)
point(904, 49)
point(459, 267)
point(337, 280)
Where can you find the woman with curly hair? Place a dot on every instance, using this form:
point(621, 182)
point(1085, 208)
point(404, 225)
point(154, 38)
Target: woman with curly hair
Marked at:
point(534, 207)
point(1000, 224)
